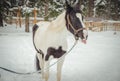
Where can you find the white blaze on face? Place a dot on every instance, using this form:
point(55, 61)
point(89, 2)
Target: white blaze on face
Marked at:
point(80, 18)
point(85, 33)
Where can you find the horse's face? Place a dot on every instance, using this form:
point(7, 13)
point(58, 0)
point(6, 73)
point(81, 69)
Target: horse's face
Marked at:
point(74, 22)
point(79, 25)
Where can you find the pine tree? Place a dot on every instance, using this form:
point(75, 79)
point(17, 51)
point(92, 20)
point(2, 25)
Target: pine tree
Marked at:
point(4, 8)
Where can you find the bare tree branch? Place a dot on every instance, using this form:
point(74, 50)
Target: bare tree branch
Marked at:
point(99, 3)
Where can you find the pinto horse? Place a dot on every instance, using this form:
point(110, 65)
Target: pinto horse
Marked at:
point(50, 38)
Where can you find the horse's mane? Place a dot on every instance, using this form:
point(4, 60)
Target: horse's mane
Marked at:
point(58, 24)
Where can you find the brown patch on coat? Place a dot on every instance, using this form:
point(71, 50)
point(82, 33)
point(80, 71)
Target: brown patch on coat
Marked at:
point(56, 53)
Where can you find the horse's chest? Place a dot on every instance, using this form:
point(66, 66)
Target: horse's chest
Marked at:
point(51, 39)
point(55, 39)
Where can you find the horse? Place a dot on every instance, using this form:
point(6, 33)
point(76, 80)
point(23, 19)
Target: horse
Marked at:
point(50, 38)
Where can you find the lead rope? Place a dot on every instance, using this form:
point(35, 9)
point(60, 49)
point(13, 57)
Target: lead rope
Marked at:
point(29, 73)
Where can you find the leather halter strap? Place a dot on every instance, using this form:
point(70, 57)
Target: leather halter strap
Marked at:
point(75, 30)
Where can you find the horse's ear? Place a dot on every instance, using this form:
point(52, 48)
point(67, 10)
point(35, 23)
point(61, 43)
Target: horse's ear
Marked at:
point(68, 7)
point(77, 4)
point(67, 4)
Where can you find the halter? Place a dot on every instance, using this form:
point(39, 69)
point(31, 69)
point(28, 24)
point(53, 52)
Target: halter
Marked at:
point(75, 30)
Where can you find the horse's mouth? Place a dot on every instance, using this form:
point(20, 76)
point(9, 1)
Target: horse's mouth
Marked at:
point(84, 41)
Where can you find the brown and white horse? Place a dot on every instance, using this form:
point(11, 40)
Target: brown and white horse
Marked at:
point(50, 38)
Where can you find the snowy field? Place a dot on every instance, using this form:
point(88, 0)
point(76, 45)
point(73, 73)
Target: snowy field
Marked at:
point(98, 60)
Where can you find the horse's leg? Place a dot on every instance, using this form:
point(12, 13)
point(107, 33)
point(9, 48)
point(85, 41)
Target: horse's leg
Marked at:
point(59, 68)
point(46, 72)
point(41, 63)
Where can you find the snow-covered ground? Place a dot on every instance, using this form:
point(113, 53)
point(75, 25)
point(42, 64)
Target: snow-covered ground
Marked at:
point(98, 60)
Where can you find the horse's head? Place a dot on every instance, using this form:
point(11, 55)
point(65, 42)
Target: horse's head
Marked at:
point(74, 21)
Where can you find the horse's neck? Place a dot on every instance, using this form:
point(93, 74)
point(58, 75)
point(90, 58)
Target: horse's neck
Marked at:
point(59, 23)
point(60, 20)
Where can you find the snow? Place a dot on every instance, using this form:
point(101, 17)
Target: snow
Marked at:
point(98, 60)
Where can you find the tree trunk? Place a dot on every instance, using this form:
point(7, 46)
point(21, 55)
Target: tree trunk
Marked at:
point(26, 23)
point(91, 6)
point(108, 9)
point(46, 10)
point(35, 15)
point(81, 2)
point(19, 16)
point(1, 20)
point(116, 10)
